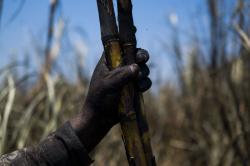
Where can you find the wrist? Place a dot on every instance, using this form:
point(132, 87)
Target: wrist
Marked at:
point(89, 127)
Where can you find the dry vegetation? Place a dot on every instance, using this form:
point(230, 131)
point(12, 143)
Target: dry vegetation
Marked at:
point(202, 121)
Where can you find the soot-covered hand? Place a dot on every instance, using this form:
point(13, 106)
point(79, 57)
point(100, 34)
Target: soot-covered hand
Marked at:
point(105, 86)
point(100, 111)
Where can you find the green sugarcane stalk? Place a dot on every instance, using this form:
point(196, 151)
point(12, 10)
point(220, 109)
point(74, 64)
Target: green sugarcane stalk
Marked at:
point(129, 104)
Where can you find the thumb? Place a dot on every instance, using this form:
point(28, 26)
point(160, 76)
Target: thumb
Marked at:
point(122, 75)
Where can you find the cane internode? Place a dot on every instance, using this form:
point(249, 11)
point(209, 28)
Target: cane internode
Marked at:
point(120, 48)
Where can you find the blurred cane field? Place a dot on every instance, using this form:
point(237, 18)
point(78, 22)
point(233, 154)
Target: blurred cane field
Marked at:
point(199, 117)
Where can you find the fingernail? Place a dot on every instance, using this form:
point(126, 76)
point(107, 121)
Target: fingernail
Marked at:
point(144, 56)
point(134, 68)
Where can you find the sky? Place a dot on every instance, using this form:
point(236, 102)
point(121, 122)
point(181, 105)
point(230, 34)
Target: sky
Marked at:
point(151, 18)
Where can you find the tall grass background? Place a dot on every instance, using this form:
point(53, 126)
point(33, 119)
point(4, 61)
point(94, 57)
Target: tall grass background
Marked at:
point(201, 120)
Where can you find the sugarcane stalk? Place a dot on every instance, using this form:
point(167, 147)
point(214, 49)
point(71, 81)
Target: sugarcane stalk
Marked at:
point(127, 31)
point(132, 136)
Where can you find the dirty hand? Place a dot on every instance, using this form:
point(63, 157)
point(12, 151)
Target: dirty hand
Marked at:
point(100, 111)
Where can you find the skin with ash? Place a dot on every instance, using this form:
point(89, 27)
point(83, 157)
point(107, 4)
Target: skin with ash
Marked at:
point(71, 143)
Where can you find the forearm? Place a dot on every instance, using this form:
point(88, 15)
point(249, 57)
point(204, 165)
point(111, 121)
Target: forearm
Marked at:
point(69, 145)
point(61, 148)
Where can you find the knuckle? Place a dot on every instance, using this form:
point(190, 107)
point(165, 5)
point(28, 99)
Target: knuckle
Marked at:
point(143, 55)
point(144, 69)
point(144, 84)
